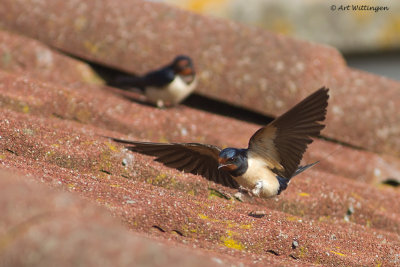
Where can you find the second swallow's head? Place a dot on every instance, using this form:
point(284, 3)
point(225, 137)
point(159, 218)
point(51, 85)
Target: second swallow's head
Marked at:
point(233, 160)
point(183, 65)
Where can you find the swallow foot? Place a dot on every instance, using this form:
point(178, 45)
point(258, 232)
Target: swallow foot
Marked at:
point(257, 188)
point(243, 195)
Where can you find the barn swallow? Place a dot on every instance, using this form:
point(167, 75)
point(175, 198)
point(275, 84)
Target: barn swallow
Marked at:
point(265, 167)
point(166, 86)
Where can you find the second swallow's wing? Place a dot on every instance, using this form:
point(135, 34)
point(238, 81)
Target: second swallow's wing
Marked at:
point(199, 159)
point(282, 142)
point(159, 78)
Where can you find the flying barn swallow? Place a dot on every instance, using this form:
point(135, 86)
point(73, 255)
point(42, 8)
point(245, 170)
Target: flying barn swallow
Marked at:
point(166, 86)
point(266, 166)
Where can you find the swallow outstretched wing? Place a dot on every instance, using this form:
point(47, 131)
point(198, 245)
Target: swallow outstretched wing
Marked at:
point(283, 142)
point(199, 159)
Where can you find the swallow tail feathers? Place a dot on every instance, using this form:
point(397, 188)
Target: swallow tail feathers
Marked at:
point(301, 169)
point(128, 82)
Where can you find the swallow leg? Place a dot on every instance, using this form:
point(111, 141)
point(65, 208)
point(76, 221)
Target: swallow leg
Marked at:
point(257, 188)
point(243, 194)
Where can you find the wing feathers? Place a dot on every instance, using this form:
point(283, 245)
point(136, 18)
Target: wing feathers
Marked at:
point(175, 163)
point(292, 132)
point(188, 157)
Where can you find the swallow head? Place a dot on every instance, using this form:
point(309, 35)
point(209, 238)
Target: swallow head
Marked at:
point(233, 160)
point(183, 65)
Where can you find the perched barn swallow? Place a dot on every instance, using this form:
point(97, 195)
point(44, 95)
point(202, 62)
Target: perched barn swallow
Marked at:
point(266, 166)
point(166, 86)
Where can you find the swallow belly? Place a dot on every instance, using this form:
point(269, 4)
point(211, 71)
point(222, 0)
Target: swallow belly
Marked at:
point(172, 94)
point(258, 171)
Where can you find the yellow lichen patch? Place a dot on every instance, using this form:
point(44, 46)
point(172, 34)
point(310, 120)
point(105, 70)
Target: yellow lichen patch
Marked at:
point(88, 143)
point(91, 47)
point(292, 218)
point(163, 139)
point(229, 223)
point(112, 147)
point(369, 223)
point(80, 23)
point(2, 156)
point(356, 196)
point(163, 180)
point(203, 217)
point(83, 115)
point(115, 185)
point(206, 5)
point(160, 177)
point(324, 218)
point(50, 154)
point(104, 164)
point(191, 192)
point(303, 194)
point(55, 145)
point(174, 183)
point(25, 109)
point(72, 186)
point(245, 226)
point(303, 252)
point(230, 242)
point(338, 253)
point(185, 228)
